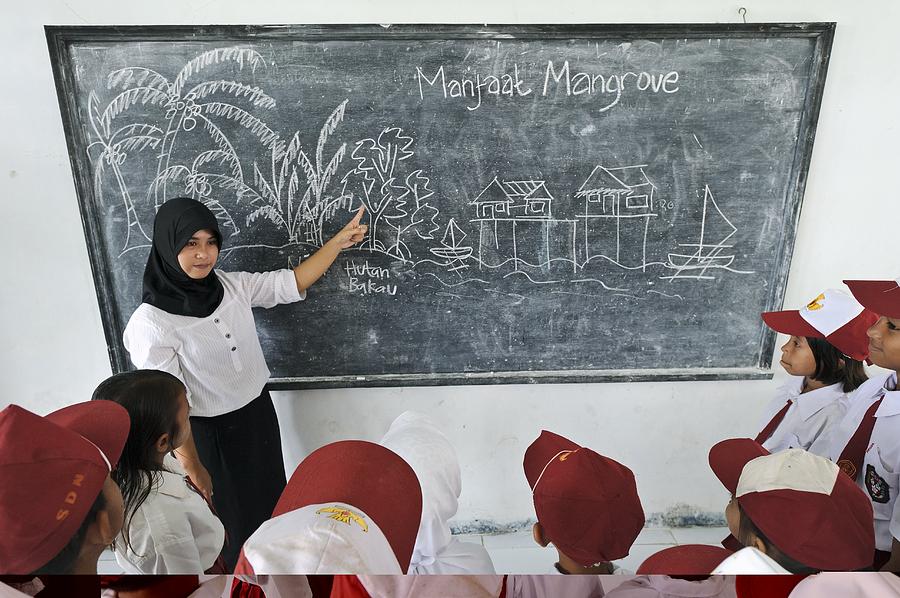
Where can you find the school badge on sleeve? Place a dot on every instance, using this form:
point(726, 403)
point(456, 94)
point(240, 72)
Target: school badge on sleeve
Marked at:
point(877, 487)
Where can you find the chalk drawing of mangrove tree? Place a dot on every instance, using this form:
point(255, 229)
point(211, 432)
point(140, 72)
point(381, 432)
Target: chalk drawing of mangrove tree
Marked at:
point(295, 197)
point(397, 202)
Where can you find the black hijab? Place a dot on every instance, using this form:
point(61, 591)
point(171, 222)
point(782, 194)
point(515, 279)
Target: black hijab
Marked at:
point(166, 285)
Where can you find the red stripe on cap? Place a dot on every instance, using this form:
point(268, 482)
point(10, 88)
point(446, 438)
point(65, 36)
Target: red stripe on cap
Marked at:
point(881, 296)
point(851, 338)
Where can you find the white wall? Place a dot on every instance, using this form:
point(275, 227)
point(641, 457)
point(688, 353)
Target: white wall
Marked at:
point(53, 351)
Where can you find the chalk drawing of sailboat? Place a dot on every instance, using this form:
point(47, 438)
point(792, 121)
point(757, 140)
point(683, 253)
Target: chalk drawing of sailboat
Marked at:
point(707, 253)
point(451, 248)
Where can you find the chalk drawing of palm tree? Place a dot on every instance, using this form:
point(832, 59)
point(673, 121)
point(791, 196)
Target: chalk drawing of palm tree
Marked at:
point(114, 147)
point(300, 204)
point(190, 104)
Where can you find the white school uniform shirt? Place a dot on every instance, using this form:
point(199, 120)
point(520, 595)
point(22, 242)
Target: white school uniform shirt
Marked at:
point(848, 585)
point(879, 476)
point(809, 415)
point(278, 586)
point(431, 586)
point(173, 531)
point(218, 357)
point(423, 445)
point(663, 586)
point(10, 592)
point(211, 586)
point(554, 586)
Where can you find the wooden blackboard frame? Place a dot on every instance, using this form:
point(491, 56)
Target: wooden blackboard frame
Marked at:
point(61, 38)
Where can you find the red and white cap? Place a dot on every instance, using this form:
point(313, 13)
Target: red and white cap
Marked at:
point(881, 296)
point(803, 503)
point(835, 316)
point(587, 503)
point(350, 507)
point(685, 559)
point(51, 471)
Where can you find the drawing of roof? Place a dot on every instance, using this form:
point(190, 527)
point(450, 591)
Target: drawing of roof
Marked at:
point(493, 193)
point(529, 190)
point(512, 191)
point(606, 180)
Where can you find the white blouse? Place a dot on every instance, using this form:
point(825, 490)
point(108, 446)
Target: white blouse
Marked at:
point(880, 474)
point(811, 414)
point(173, 531)
point(218, 357)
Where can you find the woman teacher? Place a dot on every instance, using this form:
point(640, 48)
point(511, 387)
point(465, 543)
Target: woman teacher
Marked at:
point(196, 323)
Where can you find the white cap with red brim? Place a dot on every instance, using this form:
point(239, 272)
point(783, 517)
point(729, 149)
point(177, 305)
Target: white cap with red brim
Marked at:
point(834, 316)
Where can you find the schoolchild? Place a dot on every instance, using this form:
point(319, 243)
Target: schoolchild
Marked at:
point(587, 506)
point(866, 443)
point(423, 445)
point(824, 356)
point(59, 508)
point(795, 507)
point(169, 526)
point(350, 507)
point(196, 322)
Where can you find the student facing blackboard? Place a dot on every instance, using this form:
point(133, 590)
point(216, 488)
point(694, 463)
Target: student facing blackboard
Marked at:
point(196, 323)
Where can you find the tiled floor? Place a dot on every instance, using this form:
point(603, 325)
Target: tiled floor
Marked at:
point(517, 553)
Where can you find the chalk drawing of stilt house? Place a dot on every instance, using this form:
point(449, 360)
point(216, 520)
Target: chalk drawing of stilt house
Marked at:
point(514, 199)
point(618, 205)
point(515, 220)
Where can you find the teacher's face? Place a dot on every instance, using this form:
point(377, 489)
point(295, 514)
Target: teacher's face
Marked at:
point(199, 256)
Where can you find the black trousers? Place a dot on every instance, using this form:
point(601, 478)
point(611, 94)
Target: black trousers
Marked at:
point(242, 452)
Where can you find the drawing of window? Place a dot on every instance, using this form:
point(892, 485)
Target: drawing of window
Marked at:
point(636, 201)
point(537, 207)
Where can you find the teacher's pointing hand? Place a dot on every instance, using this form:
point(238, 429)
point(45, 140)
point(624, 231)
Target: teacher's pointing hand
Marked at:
point(353, 232)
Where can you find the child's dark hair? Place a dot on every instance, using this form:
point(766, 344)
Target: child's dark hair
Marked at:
point(829, 369)
point(65, 559)
point(151, 399)
point(747, 528)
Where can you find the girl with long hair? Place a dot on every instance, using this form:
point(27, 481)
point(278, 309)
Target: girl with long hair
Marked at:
point(169, 527)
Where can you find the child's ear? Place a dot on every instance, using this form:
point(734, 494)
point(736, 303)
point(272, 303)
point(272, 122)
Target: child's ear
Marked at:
point(758, 544)
point(537, 531)
point(162, 444)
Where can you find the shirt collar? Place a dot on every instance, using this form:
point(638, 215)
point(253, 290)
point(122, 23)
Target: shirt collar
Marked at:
point(810, 403)
point(890, 405)
point(172, 482)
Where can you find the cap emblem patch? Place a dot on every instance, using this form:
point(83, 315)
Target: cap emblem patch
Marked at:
point(345, 516)
point(817, 303)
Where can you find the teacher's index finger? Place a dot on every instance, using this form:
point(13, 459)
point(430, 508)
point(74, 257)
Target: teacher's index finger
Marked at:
point(358, 216)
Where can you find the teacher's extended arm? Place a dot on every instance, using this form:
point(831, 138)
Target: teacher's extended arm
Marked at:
point(312, 268)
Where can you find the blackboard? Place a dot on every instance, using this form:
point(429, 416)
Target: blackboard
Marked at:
point(562, 203)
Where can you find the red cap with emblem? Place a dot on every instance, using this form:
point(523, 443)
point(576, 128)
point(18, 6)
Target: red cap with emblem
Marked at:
point(808, 508)
point(51, 470)
point(367, 476)
point(881, 296)
point(833, 315)
point(587, 503)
